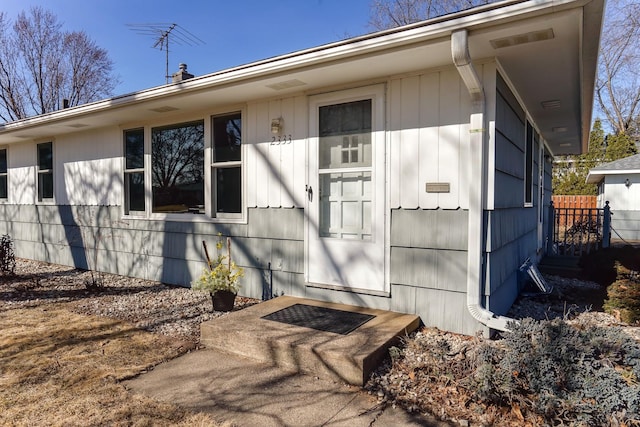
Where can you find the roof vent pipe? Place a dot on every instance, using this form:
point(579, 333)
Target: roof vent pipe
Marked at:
point(475, 290)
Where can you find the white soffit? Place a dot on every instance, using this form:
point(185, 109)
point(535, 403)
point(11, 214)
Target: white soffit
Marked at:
point(529, 66)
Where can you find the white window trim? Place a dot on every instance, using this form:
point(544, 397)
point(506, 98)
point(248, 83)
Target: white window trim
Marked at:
point(51, 200)
point(6, 200)
point(125, 171)
point(241, 216)
point(209, 215)
point(529, 191)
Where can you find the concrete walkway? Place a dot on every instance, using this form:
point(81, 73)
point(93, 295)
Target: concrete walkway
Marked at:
point(246, 392)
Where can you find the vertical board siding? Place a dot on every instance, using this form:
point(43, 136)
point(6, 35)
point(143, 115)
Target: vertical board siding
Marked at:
point(88, 168)
point(285, 195)
point(274, 158)
point(428, 126)
point(428, 157)
point(449, 138)
point(21, 175)
point(395, 141)
point(250, 141)
point(261, 147)
point(409, 142)
point(276, 168)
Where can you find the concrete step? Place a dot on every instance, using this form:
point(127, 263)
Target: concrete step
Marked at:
point(350, 358)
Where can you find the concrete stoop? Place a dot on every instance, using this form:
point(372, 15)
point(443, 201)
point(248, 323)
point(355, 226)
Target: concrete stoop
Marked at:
point(350, 358)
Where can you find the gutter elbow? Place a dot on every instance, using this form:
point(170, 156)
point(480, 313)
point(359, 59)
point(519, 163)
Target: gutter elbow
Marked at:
point(490, 319)
point(462, 61)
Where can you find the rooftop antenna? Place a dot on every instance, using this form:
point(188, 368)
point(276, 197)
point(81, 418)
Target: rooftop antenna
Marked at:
point(162, 32)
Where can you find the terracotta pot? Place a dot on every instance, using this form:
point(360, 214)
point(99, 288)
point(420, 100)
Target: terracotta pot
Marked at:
point(223, 300)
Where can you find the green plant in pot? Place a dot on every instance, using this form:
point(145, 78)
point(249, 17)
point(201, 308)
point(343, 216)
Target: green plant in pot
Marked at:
point(220, 279)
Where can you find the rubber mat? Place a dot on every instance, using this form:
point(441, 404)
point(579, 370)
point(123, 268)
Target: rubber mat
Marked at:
point(320, 318)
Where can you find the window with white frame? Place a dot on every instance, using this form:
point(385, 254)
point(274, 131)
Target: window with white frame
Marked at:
point(528, 165)
point(134, 171)
point(4, 193)
point(45, 171)
point(226, 165)
point(177, 168)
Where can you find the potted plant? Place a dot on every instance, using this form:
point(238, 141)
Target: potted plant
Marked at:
point(220, 279)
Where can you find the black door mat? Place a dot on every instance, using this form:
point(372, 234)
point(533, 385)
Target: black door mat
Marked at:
point(320, 318)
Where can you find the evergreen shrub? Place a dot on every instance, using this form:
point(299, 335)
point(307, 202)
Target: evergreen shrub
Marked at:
point(566, 373)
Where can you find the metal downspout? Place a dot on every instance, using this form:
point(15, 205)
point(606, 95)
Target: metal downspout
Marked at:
point(475, 294)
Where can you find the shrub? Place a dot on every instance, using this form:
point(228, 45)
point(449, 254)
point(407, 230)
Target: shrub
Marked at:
point(566, 373)
point(7, 257)
point(623, 296)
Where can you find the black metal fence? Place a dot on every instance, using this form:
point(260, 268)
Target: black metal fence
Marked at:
point(578, 231)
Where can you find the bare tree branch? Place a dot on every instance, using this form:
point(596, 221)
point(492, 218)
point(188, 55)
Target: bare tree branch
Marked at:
point(618, 85)
point(386, 14)
point(40, 65)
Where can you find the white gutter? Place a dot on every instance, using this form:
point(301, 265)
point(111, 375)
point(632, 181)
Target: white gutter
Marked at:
point(475, 294)
point(491, 14)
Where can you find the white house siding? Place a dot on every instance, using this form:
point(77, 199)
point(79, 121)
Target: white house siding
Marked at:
point(512, 233)
point(21, 179)
point(428, 143)
point(427, 137)
point(276, 169)
point(625, 205)
point(88, 168)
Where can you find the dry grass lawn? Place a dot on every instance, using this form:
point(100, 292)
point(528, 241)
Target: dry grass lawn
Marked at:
point(61, 368)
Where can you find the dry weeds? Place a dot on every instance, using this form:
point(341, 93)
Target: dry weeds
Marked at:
point(62, 368)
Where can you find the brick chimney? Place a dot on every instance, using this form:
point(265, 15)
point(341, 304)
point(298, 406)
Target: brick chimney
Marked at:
point(181, 74)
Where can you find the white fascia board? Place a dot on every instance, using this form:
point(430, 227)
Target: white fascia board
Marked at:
point(597, 176)
point(434, 29)
point(594, 178)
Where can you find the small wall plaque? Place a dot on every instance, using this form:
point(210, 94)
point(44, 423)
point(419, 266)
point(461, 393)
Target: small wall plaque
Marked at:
point(438, 187)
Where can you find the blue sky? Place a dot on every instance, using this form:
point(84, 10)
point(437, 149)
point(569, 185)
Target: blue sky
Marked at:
point(234, 32)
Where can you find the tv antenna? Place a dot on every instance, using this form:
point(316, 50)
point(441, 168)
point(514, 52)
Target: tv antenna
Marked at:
point(161, 33)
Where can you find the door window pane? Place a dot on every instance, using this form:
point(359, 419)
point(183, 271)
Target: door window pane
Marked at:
point(345, 135)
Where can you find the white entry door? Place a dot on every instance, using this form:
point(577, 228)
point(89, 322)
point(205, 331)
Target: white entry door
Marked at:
point(346, 189)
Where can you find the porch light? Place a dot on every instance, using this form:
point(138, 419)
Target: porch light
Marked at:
point(276, 126)
point(627, 183)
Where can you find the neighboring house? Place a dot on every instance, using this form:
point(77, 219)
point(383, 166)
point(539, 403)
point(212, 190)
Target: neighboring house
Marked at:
point(619, 184)
point(408, 169)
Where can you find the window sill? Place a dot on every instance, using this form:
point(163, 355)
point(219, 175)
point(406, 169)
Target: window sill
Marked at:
point(194, 218)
